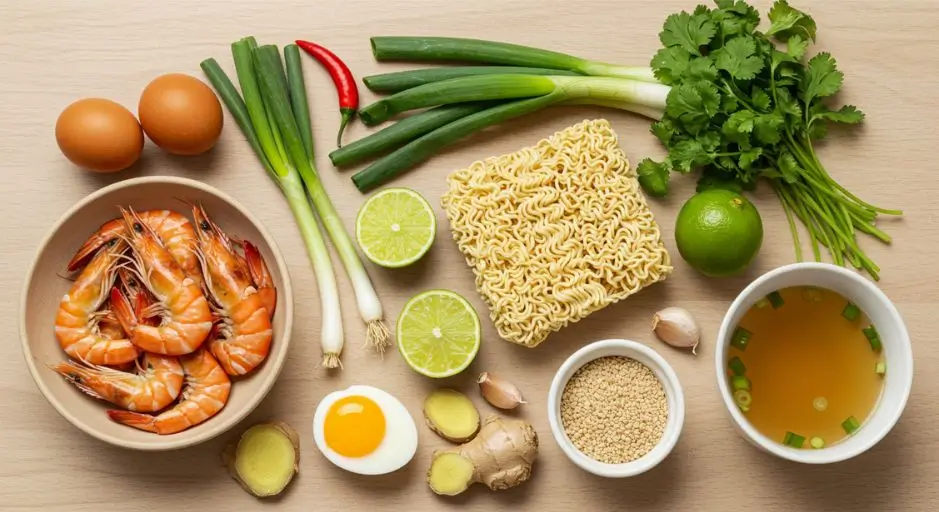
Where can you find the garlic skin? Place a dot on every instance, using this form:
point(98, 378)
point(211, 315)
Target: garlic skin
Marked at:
point(677, 327)
point(500, 393)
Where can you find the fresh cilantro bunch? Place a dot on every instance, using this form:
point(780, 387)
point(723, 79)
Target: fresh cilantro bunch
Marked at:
point(746, 104)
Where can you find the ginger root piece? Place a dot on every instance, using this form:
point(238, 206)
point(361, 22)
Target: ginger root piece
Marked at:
point(265, 458)
point(501, 457)
point(451, 415)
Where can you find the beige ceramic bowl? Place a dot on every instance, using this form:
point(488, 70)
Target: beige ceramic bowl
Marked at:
point(44, 288)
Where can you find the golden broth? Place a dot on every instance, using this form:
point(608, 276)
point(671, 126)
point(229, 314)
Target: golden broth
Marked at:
point(809, 364)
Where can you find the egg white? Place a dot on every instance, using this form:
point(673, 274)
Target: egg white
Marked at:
point(396, 449)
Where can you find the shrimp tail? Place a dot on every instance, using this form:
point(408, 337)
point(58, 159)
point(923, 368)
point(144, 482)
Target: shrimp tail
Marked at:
point(261, 276)
point(137, 420)
point(123, 310)
point(77, 375)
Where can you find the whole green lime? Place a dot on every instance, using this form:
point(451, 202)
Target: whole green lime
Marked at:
point(718, 232)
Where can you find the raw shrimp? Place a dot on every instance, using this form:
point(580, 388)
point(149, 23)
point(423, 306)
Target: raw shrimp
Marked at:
point(178, 301)
point(156, 384)
point(174, 230)
point(243, 333)
point(77, 322)
point(204, 394)
point(261, 276)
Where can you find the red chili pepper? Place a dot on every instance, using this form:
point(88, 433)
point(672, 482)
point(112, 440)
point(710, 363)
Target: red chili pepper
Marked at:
point(342, 78)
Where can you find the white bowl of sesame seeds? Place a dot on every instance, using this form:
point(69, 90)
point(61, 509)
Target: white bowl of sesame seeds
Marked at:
point(616, 408)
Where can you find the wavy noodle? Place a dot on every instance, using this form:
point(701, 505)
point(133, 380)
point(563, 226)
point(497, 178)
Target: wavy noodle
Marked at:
point(555, 231)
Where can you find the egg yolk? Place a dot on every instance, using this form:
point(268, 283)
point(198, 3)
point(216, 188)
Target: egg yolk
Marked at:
point(354, 426)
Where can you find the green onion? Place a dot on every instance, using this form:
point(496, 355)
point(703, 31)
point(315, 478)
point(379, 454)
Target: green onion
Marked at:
point(741, 338)
point(740, 382)
point(252, 116)
point(427, 145)
point(584, 89)
point(403, 132)
point(454, 49)
point(762, 303)
point(820, 403)
point(850, 425)
point(743, 398)
point(793, 440)
point(776, 300)
point(401, 80)
point(736, 366)
point(298, 102)
point(817, 442)
point(880, 368)
point(870, 332)
point(288, 121)
point(851, 312)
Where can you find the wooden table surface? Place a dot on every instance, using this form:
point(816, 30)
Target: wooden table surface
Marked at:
point(54, 52)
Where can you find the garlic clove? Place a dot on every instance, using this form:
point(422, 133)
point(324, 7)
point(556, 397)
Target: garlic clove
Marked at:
point(677, 327)
point(499, 393)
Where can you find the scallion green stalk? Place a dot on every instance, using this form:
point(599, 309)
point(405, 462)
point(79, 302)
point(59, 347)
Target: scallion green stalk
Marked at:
point(581, 89)
point(455, 49)
point(252, 117)
point(403, 132)
point(402, 80)
point(294, 123)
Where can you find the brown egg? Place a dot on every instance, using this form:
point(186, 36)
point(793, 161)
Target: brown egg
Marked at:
point(180, 114)
point(99, 135)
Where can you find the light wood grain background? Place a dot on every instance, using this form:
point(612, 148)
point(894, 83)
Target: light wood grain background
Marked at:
point(53, 52)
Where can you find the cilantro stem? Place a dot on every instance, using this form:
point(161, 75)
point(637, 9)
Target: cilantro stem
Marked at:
point(792, 224)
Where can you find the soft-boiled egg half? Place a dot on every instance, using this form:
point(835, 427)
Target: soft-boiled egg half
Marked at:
point(364, 430)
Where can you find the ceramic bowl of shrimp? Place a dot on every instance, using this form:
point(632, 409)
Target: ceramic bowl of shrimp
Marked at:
point(156, 314)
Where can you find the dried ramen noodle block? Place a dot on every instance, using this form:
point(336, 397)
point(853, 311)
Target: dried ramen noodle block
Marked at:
point(555, 231)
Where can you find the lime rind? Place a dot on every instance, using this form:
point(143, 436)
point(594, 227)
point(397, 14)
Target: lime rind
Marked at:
point(395, 227)
point(438, 333)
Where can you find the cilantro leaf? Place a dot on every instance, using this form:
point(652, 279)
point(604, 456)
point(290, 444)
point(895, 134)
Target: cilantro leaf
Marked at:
point(788, 105)
point(787, 21)
point(759, 98)
point(668, 64)
point(735, 18)
point(821, 79)
point(767, 128)
point(701, 9)
point(701, 68)
point(689, 154)
point(796, 47)
point(848, 114)
point(653, 177)
point(748, 157)
point(664, 130)
point(738, 58)
point(740, 121)
point(694, 104)
point(788, 167)
point(687, 31)
point(710, 141)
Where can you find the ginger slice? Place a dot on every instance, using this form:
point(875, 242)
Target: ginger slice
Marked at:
point(265, 458)
point(451, 415)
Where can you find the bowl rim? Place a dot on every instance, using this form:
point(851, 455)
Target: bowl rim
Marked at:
point(163, 443)
point(802, 456)
point(670, 383)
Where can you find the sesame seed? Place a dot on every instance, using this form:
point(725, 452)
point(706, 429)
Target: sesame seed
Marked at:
point(614, 409)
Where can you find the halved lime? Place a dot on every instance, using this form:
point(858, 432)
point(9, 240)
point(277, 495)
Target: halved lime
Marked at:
point(395, 227)
point(438, 333)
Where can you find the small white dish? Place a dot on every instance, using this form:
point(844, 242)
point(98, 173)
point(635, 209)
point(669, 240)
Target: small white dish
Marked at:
point(673, 393)
point(897, 350)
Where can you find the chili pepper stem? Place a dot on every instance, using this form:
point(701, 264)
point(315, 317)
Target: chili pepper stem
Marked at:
point(347, 115)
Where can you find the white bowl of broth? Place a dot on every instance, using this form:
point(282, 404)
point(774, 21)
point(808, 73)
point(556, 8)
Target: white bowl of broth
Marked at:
point(814, 363)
